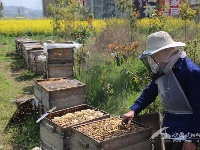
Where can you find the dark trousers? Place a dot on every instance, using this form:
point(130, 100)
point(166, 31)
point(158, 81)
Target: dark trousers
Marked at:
point(173, 145)
point(176, 146)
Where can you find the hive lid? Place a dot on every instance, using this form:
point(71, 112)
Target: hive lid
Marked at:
point(60, 83)
point(75, 46)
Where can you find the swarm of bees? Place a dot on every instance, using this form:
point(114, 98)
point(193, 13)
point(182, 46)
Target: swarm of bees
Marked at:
point(77, 117)
point(107, 129)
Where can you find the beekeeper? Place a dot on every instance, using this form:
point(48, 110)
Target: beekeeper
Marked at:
point(177, 80)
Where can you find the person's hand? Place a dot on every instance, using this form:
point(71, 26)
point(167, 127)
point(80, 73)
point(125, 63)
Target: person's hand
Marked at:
point(128, 117)
point(188, 146)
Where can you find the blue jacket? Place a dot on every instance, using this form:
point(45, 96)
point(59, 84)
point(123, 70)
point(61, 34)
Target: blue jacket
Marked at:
point(188, 76)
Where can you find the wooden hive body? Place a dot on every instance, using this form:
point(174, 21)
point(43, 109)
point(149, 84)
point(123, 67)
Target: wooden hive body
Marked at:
point(60, 70)
point(56, 92)
point(56, 137)
point(132, 141)
point(60, 60)
point(60, 55)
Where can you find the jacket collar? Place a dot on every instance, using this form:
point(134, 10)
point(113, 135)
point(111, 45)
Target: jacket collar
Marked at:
point(179, 63)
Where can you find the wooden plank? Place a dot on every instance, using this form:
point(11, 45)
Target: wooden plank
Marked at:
point(128, 140)
point(145, 145)
point(63, 102)
point(23, 99)
point(69, 102)
point(63, 92)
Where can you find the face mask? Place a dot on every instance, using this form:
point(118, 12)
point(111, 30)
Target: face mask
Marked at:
point(153, 65)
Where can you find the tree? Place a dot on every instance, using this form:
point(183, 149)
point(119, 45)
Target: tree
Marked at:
point(21, 11)
point(125, 6)
point(186, 13)
point(62, 13)
point(1, 8)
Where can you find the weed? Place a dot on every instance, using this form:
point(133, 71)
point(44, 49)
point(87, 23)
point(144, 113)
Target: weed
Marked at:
point(25, 135)
point(192, 48)
point(26, 75)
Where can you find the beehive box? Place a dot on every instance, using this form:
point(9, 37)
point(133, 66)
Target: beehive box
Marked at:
point(38, 67)
point(55, 135)
point(106, 134)
point(21, 43)
point(29, 55)
point(60, 53)
point(60, 92)
point(30, 47)
point(33, 58)
point(18, 43)
point(60, 70)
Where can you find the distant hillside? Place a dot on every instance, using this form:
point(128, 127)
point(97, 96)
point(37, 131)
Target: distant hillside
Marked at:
point(15, 11)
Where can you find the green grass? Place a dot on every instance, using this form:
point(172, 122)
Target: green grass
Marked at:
point(15, 82)
point(109, 86)
point(7, 93)
point(25, 135)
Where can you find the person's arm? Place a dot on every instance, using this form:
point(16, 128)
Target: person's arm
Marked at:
point(148, 96)
point(194, 100)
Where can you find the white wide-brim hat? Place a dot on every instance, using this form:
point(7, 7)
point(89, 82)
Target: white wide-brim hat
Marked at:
point(159, 41)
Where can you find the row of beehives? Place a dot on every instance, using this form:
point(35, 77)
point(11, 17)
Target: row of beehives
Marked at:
point(75, 125)
point(54, 60)
point(30, 50)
